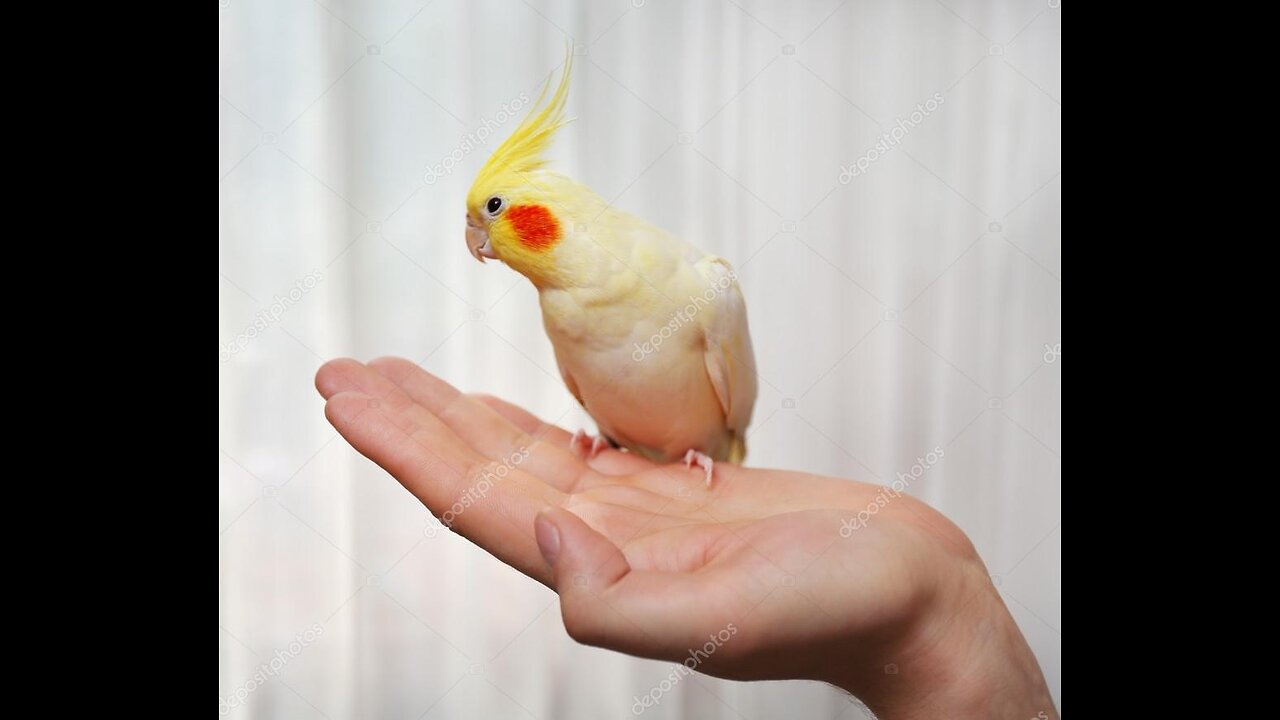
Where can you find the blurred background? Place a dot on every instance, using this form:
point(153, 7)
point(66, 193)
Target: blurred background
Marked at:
point(885, 175)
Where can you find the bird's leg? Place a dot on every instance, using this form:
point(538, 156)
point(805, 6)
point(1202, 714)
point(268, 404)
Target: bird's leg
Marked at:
point(702, 460)
point(588, 446)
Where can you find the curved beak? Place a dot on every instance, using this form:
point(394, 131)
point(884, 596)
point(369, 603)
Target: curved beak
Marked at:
point(478, 241)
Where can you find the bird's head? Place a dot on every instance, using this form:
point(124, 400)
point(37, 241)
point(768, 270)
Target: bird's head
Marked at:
point(516, 211)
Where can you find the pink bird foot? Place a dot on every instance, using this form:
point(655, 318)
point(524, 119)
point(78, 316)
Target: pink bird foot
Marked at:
point(587, 446)
point(702, 460)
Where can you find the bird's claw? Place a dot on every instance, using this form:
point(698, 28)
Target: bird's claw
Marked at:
point(702, 460)
point(587, 446)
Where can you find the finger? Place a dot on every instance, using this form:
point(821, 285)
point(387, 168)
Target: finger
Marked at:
point(606, 603)
point(525, 420)
point(347, 375)
point(488, 503)
point(485, 430)
point(337, 376)
point(423, 425)
point(352, 376)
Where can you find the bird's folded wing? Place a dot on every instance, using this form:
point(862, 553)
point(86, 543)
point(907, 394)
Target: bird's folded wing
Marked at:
point(731, 363)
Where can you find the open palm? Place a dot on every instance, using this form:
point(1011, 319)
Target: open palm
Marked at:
point(768, 566)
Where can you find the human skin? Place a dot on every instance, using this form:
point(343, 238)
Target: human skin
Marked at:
point(649, 561)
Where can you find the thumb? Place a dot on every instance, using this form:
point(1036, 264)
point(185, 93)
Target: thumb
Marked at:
point(585, 565)
point(604, 602)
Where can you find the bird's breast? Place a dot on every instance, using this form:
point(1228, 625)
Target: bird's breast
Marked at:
point(641, 375)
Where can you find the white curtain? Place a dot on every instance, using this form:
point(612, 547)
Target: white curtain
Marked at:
point(885, 175)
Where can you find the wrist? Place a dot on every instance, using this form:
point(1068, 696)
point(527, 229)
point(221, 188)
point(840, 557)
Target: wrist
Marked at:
point(962, 656)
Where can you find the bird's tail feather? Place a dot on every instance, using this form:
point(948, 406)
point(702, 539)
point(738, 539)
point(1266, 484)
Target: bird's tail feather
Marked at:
point(737, 449)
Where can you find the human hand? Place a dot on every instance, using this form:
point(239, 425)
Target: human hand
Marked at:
point(761, 576)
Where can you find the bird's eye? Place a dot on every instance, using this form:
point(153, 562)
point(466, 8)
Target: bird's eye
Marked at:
point(494, 205)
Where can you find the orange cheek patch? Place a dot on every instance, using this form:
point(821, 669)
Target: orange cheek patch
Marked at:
point(534, 225)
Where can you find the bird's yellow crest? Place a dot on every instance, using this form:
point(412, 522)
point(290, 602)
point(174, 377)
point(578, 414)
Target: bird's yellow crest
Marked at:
point(522, 153)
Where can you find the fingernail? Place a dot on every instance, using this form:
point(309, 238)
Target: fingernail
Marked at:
point(548, 538)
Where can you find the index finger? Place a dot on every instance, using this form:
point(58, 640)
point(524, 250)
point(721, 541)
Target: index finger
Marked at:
point(491, 503)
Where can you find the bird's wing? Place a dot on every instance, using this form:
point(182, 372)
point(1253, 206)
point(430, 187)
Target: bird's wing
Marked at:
point(731, 362)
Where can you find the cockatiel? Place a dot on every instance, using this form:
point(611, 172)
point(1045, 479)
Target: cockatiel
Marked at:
point(650, 333)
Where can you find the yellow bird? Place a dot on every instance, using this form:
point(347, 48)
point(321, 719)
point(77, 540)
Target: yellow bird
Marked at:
point(650, 333)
